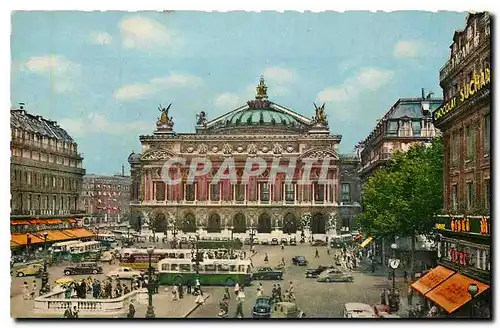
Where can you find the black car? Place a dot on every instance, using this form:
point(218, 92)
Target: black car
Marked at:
point(274, 241)
point(314, 273)
point(262, 307)
point(299, 260)
point(267, 273)
point(246, 241)
point(83, 268)
point(293, 242)
point(265, 242)
point(284, 241)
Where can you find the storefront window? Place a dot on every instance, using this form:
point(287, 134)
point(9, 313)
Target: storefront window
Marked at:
point(486, 135)
point(470, 133)
point(470, 195)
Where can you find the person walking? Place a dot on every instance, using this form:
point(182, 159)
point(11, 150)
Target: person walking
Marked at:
point(131, 311)
point(274, 293)
point(282, 247)
point(410, 295)
point(291, 292)
point(266, 259)
point(175, 296)
point(26, 291)
point(188, 287)
point(227, 295)
point(405, 276)
point(181, 291)
point(317, 253)
point(259, 290)
point(239, 304)
point(75, 313)
point(33, 289)
point(200, 299)
point(236, 289)
point(278, 292)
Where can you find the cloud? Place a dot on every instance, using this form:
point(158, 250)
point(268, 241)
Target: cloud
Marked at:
point(142, 90)
point(96, 122)
point(368, 79)
point(227, 100)
point(409, 49)
point(102, 38)
point(61, 71)
point(144, 34)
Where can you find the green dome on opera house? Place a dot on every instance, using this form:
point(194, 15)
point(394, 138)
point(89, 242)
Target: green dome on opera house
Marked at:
point(261, 116)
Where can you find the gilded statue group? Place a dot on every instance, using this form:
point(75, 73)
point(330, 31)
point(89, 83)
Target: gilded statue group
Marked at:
point(164, 119)
point(320, 114)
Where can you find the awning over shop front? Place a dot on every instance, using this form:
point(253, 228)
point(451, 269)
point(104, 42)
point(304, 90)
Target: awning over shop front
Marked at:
point(19, 222)
point(452, 294)
point(54, 235)
point(70, 220)
point(14, 244)
point(22, 238)
point(432, 279)
point(366, 242)
point(79, 233)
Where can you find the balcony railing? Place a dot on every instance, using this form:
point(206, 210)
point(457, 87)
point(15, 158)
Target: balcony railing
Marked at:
point(231, 202)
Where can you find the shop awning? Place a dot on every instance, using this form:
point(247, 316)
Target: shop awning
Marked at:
point(14, 244)
point(432, 279)
point(21, 238)
point(452, 294)
point(79, 233)
point(366, 242)
point(19, 222)
point(70, 220)
point(52, 221)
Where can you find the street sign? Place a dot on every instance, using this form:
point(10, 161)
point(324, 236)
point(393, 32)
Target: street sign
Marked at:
point(394, 263)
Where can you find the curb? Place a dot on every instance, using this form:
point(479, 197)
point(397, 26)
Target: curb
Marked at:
point(195, 307)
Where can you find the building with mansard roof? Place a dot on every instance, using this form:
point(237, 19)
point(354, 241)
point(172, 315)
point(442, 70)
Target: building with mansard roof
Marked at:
point(46, 173)
point(259, 128)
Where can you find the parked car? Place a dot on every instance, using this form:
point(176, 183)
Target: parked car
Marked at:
point(293, 242)
point(29, 270)
point(267, 273)
point(82, 268)
point(216, 238)
point(265, 242)
point(358, 310)
point(262, 307)
point(246, 241)
point(286, 310)
point(106, 257)
point(335, 275)
point(299, 260)
point(319, 243)
point(256, 241)
point(284, 241)
point(314, 273)
point(124, 273)
point(274, 241)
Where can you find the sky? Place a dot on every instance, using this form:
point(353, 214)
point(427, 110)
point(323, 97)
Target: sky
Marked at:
point(102, 75)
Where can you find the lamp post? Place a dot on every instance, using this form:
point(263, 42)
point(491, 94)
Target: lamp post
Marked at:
point(473, 290)
point(394, 264)
point(252, 234)
point(150, 313)
point(231, 241)
point(45, 274)
point(195, 256)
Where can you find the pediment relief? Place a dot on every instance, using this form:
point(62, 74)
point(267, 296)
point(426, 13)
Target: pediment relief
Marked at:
point(319, 154)
point(157, 154)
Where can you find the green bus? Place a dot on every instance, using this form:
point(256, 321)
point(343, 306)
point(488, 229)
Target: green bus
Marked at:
point(211, 272)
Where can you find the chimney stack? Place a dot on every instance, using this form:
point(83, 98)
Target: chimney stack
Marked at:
point(123, 170)
point(423, 93)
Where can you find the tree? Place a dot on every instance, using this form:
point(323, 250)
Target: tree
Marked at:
point(403, 198)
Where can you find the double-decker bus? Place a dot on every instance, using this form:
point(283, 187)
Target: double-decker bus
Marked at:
point(210, 272)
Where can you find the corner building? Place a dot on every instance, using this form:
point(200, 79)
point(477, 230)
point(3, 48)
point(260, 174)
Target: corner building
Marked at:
point(464, 238)
point(258, 129)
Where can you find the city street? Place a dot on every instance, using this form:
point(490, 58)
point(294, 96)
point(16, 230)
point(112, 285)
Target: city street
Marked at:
point(317, 300)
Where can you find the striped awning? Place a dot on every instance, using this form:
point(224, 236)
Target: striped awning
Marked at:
point(366, 242)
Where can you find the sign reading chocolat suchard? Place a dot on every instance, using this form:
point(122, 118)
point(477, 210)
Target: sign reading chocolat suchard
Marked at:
point(469, 89)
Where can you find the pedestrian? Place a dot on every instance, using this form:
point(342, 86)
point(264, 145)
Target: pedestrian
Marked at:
point(33, 289)
point(382, 297)
point(68, 313)
point(75, 313)
point(188, 287)
point(274, 293)
point(410, 295)
point(181, 291)
point(175, 296)
point(266, 259)
point(405, 276)
point(259, 290)
point(317, 253)
point(282, 247)
point(278, 292)
point(291, 292)
point(327, 251)
point(131, 311)
point(200, 299)
point(236, 289)
point(239, 304)
point(286, 296)
point(227, 295)
point(26, 290)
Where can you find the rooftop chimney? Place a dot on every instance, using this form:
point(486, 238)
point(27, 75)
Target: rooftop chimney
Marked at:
point(423, 93)
point(123, 170)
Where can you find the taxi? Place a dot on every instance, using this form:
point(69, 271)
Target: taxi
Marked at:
point(29, 270)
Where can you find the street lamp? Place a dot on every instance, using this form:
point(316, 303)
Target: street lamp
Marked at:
point(473, 290)
point(394, 263)
point(252, 234)
point(231, 241)
point(195, 255)
point(45, 274)
point(150, 313)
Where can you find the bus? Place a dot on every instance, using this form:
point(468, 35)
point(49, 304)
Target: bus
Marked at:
point(210, 272)
point(138, 258)
point(62, 248)
point(84, 249)
point(107, 240)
